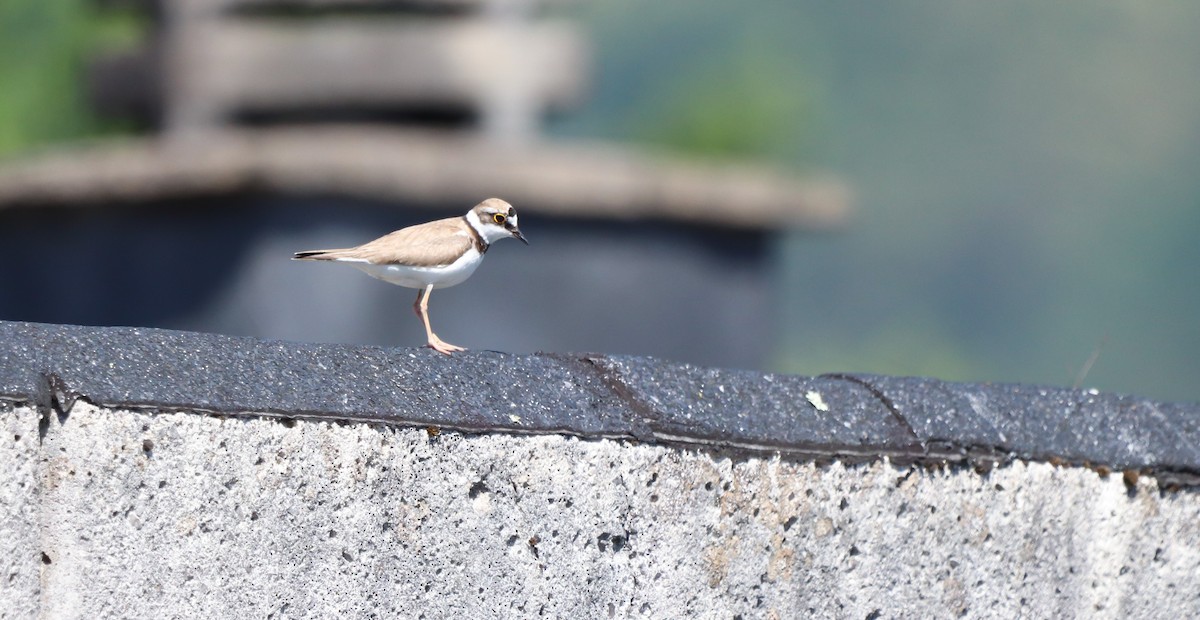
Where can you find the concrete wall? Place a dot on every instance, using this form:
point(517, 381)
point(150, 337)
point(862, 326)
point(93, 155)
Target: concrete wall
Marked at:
point(121, 500)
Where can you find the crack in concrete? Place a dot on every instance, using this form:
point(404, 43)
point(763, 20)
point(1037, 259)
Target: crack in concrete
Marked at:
point(983, 458)
point(887, 402)
point(642, 428)
point(53, 397)
point(629, 415)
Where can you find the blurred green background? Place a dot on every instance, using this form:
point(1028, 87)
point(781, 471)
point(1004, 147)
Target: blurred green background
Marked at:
point(44, 46)
point(1027, 174)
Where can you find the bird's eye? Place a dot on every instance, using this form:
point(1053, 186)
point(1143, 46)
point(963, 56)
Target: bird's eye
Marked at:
point(498, 218)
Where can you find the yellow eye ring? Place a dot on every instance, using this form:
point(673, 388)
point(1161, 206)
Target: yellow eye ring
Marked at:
point(498, 218)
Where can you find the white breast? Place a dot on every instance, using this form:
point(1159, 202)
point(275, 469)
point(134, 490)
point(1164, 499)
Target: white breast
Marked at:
point(420, 277)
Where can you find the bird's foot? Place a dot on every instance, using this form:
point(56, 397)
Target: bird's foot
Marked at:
point(441, 346)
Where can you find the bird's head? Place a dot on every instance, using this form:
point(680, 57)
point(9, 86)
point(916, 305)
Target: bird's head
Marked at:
point(495, 219)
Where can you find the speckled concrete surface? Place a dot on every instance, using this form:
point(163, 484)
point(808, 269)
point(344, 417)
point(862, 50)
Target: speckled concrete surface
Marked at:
point(20, 550)
point(140, 479)
point(146, 515)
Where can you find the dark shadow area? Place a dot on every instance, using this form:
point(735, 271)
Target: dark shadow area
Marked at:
point(222, 265)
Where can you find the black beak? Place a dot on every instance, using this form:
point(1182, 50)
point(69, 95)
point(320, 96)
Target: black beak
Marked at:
point(517, 234)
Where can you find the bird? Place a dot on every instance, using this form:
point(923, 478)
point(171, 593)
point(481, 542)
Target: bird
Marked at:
point(433, 255)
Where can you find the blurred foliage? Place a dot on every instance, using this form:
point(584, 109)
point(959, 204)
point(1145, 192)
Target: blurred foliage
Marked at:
point(715, 89)
point(748, 104)
point(897, 348)
point(44, 45)
point(1025, 173)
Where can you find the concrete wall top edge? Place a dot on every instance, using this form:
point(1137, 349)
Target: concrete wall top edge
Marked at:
point(835, 416)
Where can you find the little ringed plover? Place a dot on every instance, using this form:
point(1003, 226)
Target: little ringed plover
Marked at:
point(433, 255)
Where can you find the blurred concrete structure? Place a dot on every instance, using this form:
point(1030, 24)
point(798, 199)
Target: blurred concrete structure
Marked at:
point(317, 123)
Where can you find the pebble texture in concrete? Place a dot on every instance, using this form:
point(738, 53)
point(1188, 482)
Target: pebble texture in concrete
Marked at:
point(20, 550)
point(145, 515)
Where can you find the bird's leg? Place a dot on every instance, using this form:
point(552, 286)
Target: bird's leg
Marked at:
point(435, 343)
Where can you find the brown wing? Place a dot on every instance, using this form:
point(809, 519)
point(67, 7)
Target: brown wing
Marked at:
point(435, 243)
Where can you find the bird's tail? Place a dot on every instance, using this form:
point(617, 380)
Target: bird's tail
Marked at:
point(317, 255)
